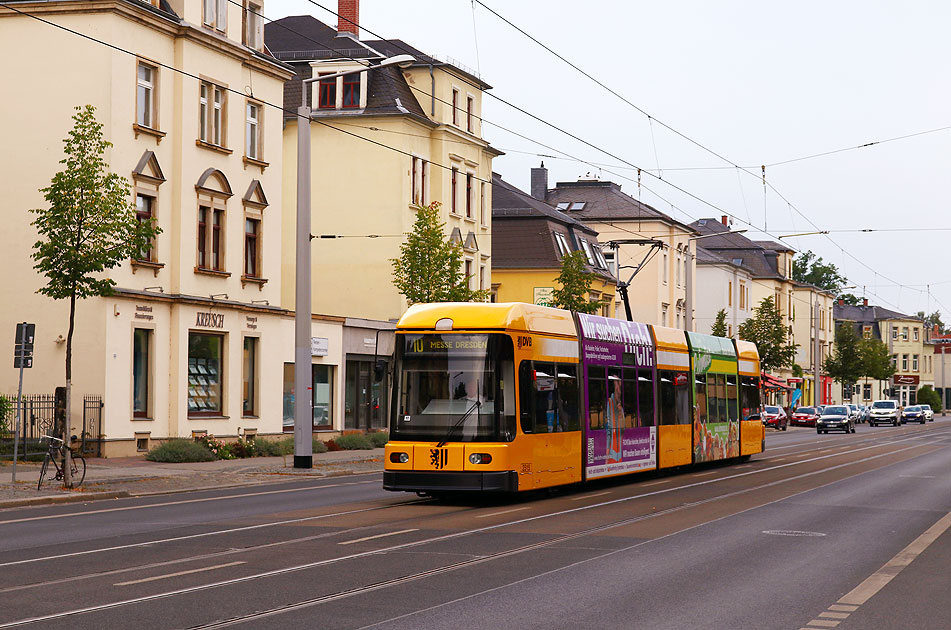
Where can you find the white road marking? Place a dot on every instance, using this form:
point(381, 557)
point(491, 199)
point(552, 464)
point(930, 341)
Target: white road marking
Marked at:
point(359, 540)
point(364, 554)
point(917, 476)
point(704, 474)
point(171, 575)
point(656, 483)
point(168, 503)
point(822, 623)
point(877, 581)
point(834, 615)
point(502, 512)
point(590, 496)
point(843, 608)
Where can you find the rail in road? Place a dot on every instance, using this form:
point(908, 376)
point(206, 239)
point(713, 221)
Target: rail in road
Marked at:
point(406, 562)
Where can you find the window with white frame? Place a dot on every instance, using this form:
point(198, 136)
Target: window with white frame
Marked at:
point(599, 255)
point(562, 244)
point(482, 205)
point(665, 269)
point(253, 26)
point(253, 131)
point(904, 363)
point(455, 107)
point(663, 314)
point(215, 14)
point(609, 261)
point(211, 110)
point(468, 271)
point(419, 174)
point(914, 363)
point(915, 333)
point(587, 251)
point(146, 80)
point(145, 213)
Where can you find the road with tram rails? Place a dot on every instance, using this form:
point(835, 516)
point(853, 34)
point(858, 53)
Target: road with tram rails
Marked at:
point(846, 531)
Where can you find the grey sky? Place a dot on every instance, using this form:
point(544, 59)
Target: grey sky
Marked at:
point(757, 82)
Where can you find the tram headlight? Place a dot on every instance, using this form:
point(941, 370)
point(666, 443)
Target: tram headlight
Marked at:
point(480, 458)
point(399, 458)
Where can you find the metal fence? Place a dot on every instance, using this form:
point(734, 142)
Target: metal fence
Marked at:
point(38, 418)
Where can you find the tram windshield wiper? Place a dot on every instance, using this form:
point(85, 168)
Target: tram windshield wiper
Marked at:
point(477, 404)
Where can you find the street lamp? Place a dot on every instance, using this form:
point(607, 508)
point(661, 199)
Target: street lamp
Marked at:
point(303, 405)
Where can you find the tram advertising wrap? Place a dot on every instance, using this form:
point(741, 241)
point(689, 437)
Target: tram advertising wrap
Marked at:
point(618, 361)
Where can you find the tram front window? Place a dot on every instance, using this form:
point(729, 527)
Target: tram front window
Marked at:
point(455, 388)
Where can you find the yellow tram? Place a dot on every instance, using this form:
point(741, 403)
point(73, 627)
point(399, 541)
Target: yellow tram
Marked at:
point(515, 397)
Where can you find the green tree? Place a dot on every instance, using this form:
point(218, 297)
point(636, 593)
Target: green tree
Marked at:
point(575, 283)
point(845, 364)
point(809, 268)
point(429, 268)
point(89, 226)
point(767, 331)
point(719, 324)
point(876, 360)
point(928, 396)
point(933, 320)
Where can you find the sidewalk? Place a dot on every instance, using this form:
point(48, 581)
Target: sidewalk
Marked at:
point(135, 476)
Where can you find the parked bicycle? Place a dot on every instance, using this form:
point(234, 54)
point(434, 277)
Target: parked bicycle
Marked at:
point(56, 453)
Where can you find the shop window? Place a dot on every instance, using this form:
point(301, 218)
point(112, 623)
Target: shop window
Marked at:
point(141, 372)
point(249, 377)
point(205, 379)
point(364, 397)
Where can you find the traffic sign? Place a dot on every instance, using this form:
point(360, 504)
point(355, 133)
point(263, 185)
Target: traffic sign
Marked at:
point(23, 346)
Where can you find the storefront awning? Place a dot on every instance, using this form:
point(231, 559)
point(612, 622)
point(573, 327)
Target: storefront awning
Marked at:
point(771, 382)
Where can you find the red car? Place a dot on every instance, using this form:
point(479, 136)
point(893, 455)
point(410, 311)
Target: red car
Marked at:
point(775, 417)
point(805, 416)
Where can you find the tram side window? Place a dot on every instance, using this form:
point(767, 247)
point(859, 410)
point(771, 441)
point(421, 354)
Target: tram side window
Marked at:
point(721, 398)
point(568, 398)
point(682, 395)
point(731, 398)
point(667, 397)
point(597, 395)
point(749, 396)
point(700, 385)
point(645, 398)
point(546, 410)
point(630, 398)
point(526, 386)
point(614, 414)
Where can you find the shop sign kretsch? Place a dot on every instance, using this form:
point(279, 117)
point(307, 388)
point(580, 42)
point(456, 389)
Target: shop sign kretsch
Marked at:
point(210, 320)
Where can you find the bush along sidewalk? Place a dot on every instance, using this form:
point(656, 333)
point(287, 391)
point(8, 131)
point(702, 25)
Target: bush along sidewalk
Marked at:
point(206, 448)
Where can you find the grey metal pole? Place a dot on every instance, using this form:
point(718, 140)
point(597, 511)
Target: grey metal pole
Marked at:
point(944, 383)
point(815, 351)
point(16, 427)
point(303, 384)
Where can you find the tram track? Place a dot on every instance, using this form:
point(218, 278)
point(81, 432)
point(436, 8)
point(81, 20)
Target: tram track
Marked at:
point(502, 554)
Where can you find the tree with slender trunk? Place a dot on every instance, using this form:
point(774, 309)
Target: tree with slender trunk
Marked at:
point(575, 283)
point(89, 226)
point(429, 268)
point(719, 324)
point(767, 330)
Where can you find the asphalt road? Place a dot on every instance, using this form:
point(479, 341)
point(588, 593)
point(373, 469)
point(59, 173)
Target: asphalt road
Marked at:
point(844, 531)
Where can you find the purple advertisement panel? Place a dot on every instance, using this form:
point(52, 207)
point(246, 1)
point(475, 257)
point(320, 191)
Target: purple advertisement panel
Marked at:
point(613, 443)
point(615, 451)
point(604, 340)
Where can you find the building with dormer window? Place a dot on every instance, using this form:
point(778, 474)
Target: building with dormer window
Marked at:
point(180, 348)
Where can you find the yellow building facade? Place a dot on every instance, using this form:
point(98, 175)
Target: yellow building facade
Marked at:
point(382, 140)
point(195, 338)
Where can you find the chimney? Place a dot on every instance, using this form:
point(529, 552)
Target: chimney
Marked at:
point(348, 17)
point(864, 301)
point(841, 302)
point(723, 219)
point(540, 182)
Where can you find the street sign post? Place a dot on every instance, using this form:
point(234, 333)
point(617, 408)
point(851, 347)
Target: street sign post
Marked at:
point(22, 359)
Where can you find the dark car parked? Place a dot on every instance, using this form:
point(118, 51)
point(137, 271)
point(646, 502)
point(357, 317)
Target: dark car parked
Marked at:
point(805, 416)
point(835, 418)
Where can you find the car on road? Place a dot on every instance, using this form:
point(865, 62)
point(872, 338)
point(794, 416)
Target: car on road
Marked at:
point(805, 416)
point(929, 412)
point(864, 410)
point(835, 418)
point(884, 412)
point(774, 416)
point(913, 413)
point(854, 413)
